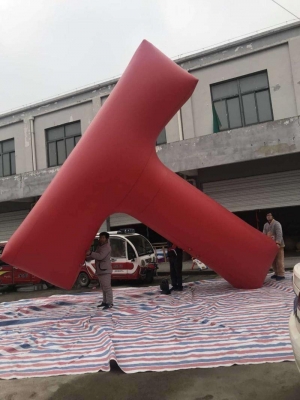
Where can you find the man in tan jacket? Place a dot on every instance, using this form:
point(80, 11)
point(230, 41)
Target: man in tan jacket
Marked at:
point(273, 229)
point(103, 269)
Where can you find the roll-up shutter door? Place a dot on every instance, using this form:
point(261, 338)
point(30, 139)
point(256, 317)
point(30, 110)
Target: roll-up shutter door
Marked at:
point(120, 219)
point(281, 189)
point(9, 222)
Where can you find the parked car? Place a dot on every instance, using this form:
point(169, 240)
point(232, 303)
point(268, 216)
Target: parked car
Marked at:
point(132, 256)
point(10, 276)
point(294, 323)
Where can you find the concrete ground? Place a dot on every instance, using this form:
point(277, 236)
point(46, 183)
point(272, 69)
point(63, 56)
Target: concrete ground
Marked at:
point(280, 381)
point(291, 259)
point(256, 382)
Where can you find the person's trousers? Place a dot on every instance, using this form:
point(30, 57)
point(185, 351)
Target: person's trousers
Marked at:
point(176, 273)
point(105, 284)
point(278, 263)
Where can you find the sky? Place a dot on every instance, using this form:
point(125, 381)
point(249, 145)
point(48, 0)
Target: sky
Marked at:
point(49, 47)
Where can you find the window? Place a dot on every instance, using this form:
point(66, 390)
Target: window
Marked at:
point(241, 102)
point(118, 249)
point(162, 138)
point(7, 158)
point(61, 140)
point(141, 244)
point(130, 252)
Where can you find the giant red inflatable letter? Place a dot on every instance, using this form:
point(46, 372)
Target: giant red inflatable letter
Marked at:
point(114, 168)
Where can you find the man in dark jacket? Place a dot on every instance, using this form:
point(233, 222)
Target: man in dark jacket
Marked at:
point(103, 269)
point(175, 260)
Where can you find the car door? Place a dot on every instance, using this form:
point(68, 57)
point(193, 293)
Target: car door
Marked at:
point(6, 272)
point(132, 262)
point(22, 277)
point(118, 258)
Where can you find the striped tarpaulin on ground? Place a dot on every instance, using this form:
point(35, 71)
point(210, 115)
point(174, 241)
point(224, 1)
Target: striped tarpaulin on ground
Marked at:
point(209, 324)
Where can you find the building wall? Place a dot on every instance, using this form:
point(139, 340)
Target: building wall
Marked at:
point(82, 113)
point(280, 81)
point(196, 114)
point(283, 66)
point(172, 130)
point(22, 144)
point(270, 139)
point(277, 52)
point(294, 49)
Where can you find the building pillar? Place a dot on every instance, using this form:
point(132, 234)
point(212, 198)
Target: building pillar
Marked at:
point(294, 49)
point(28, 153)
point(96, 101)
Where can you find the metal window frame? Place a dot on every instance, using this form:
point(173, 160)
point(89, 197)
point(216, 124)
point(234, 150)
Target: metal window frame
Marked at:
point(271, 108)
point(64, 138)
point(244, 120)
point(9, 154)
point(227, 117)
point(239, 95)
point(241, 114)
point(129, 245)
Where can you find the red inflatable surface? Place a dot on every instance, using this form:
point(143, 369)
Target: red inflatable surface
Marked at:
point(114, 168)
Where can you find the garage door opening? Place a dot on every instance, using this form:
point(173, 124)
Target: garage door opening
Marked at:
point(289, 217)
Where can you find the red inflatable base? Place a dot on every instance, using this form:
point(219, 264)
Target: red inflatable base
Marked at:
point(114, 168)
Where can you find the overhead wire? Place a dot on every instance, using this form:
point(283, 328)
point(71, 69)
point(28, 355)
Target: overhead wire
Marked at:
point(285, 9)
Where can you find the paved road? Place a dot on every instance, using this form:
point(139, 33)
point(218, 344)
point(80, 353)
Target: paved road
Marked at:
point(249, 382)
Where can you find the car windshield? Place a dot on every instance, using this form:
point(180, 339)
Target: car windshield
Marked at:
point(141, 244)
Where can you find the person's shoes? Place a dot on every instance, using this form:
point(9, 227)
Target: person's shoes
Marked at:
point(280, 278)
point(107, 306)
point(274, 276)
point(176, 288)
point(102, 304)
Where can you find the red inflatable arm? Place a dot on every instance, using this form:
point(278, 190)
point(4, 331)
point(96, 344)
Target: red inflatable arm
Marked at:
point(114, 168)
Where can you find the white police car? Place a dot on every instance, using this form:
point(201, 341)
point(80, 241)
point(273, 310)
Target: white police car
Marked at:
point(132, 258)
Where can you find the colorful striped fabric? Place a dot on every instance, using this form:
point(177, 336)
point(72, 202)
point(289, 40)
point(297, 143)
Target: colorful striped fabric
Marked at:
point(209, 324)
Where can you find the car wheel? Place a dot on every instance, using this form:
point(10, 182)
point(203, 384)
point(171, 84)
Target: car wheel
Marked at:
point(149, 276)
point(83, 279)
point(4, 288)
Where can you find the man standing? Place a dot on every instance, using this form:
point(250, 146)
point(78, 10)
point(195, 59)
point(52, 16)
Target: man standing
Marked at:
point(175, 260)
point(103, 269)
point(273, 229)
